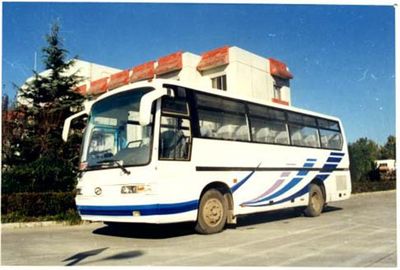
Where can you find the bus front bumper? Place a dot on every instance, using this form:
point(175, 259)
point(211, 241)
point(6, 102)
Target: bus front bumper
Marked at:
point(140, 213)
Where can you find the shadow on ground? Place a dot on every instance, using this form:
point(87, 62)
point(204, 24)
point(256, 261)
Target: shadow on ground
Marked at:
point(276, 215)
point(76, 258)
point(266, 217)
point(164, 231)
point(79, 258)
point(146, 231)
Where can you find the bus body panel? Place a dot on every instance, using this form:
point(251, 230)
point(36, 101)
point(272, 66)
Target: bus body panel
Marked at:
point(265, 177)
point(259, 169)
point(167, 201)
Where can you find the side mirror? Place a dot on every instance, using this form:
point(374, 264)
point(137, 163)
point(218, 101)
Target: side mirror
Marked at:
point(67, 124)
point(146, 102)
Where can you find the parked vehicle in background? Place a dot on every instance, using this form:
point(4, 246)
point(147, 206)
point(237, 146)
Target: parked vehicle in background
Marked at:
point(386, 169)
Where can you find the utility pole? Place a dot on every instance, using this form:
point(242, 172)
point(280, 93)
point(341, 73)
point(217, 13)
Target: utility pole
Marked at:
point(35, 62)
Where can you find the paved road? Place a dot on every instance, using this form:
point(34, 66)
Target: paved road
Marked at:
point(357, 232)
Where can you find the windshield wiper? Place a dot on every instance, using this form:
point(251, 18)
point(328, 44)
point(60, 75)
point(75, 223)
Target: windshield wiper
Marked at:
point(113, 161)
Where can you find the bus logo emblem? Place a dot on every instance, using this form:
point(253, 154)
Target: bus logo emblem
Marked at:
point(97, 191)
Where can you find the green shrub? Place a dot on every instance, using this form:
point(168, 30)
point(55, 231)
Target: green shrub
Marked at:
point(368, 186)
point(39, 206)
point(71, 216)
point(38, 176)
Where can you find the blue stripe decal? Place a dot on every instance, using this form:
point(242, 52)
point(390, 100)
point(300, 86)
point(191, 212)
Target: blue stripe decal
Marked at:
point(302, 173)
point(291, 184)
point(303, 191)
point(145, 210)
point(337, 154)
point(308, 165)
point(329, 167)
point(334, 159)
point(241, 182)
point(305, 172)
point(299, 193)
point(322, 175)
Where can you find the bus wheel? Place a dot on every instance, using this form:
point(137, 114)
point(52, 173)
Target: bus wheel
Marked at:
point(316, 202)
point(212, 213)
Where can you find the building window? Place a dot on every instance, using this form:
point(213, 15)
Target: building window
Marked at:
point(277, 92)
point(219, 82)
point(278, 84)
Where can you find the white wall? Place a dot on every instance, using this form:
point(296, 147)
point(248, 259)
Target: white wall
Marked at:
point(91, 71)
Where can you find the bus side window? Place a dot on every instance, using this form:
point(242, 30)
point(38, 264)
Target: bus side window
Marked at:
point(175, 130)
point(174, 138)
point(222, 118)
point(331, 139)
point(304, 135)
point(303, 130)
point(268, 125)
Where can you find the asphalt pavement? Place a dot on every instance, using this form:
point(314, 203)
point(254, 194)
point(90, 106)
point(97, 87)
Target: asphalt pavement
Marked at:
point(359, 232)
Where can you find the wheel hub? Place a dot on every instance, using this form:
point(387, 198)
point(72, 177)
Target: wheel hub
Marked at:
point(315, 201)
point(213, 212)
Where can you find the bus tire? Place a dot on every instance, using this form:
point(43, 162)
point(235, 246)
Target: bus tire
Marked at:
point(316, 201)
point(212, 214)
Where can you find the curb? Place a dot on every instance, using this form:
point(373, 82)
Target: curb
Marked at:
point(36, 224)
point(373, 192)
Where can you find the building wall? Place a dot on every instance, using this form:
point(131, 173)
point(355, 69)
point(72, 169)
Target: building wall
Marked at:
point(87, 70)
point(91, 71)
point(187, 72)
point(247, 74)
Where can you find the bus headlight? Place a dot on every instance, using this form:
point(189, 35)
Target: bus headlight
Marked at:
point(135, 189)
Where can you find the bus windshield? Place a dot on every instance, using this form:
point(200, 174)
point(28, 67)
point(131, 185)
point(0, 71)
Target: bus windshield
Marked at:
point(113, 133)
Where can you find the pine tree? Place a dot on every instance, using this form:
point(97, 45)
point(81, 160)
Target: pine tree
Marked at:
point(363, 154)
point(44, 162)
point(388, 151)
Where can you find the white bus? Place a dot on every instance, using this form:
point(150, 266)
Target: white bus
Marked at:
point(165, 152)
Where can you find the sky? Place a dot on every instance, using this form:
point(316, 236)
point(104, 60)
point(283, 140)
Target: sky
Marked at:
point(342, 57)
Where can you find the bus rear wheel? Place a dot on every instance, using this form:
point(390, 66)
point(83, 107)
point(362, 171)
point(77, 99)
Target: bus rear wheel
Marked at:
point(316, 201)
point(212, 214)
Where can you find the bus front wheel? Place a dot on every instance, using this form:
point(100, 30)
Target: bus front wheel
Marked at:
point(316, 201)
point(212, 213)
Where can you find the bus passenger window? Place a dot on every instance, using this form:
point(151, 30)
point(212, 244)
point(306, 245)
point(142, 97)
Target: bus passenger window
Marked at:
point(304, 136)
point(222, 118)
point(226, 132)
point(269, 131)
point(329, 131)
point(331, 139)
